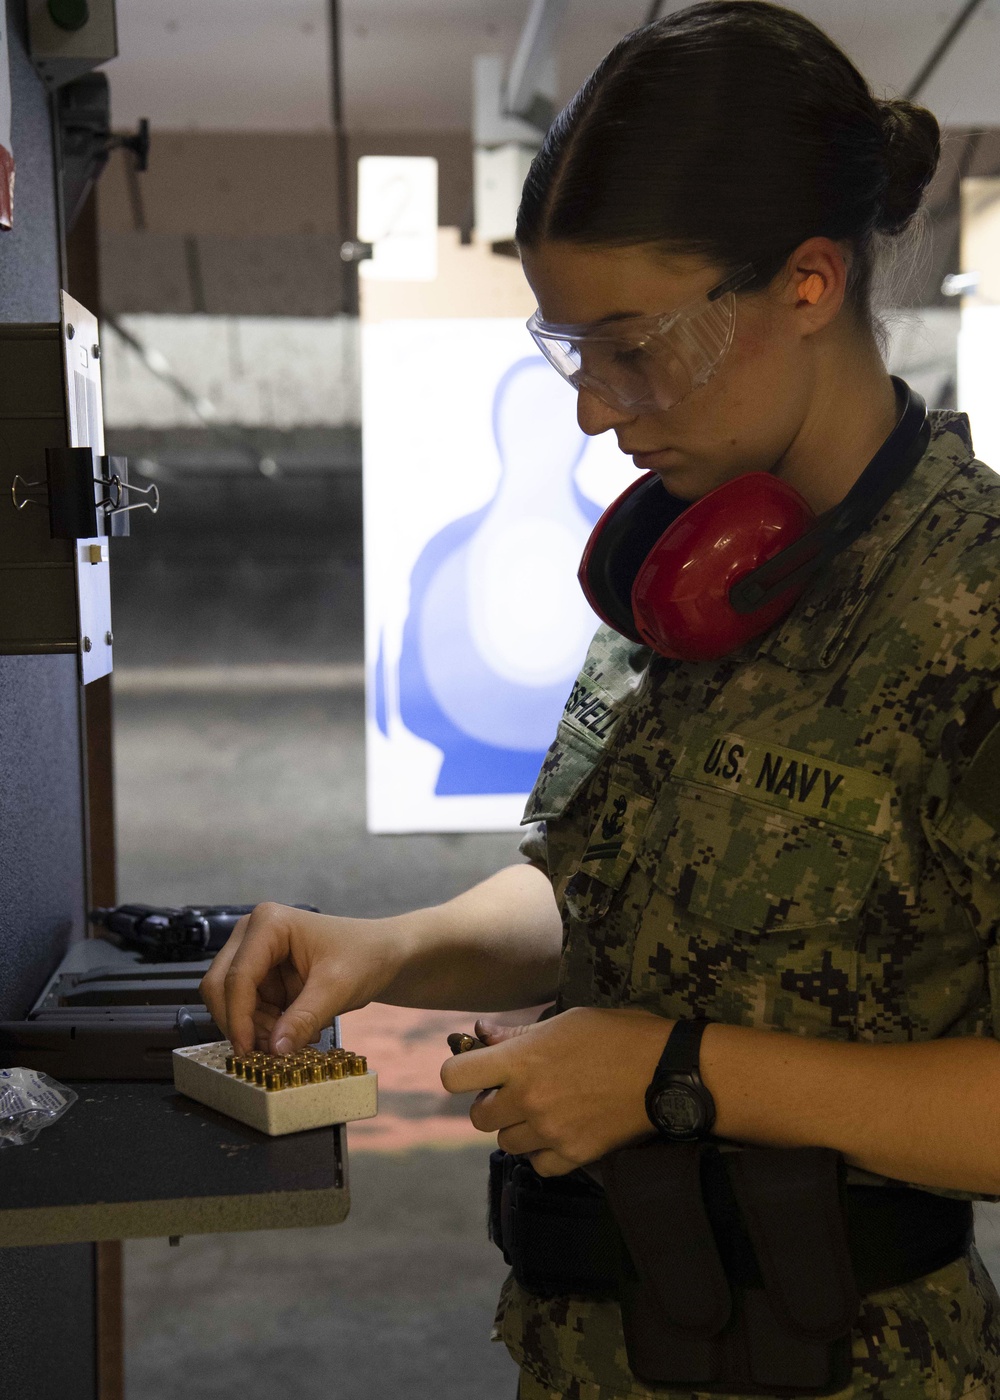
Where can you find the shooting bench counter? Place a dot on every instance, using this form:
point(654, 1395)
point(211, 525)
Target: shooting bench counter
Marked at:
point(133, 1159)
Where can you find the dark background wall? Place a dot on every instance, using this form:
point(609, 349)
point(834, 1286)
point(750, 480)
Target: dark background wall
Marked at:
point(47, 1301)
point(41, 803)
point(247, 223)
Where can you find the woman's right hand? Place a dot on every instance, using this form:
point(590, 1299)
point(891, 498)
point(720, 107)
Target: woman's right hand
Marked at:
point(285, 973)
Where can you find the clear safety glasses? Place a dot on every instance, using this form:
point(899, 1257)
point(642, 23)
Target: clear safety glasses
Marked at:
point(647, 363)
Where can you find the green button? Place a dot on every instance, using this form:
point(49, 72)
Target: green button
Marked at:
point(69, 14)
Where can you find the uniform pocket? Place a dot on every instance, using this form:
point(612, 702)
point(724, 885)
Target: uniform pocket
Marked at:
point(742, 865)
point(587, 900)
point(609, 853)
point(971, 837)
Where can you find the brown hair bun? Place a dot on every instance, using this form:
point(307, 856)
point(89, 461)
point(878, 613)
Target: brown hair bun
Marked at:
point(913, 149)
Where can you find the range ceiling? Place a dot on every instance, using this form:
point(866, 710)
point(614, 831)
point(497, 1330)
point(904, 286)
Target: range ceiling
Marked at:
point(264, 64)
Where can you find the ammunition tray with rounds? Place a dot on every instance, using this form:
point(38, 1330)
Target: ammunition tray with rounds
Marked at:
point(278, 1094)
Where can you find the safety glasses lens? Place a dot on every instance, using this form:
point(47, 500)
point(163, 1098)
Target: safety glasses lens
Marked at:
point(652, 368)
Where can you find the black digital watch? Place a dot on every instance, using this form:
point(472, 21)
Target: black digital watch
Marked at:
point(679, 1106)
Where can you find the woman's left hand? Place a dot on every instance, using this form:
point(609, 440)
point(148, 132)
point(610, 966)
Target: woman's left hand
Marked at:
point(565, 1091)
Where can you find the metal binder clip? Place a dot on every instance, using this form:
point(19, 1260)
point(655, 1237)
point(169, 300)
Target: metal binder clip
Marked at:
point(115, 507)
point(82, 489)
point(40, 487)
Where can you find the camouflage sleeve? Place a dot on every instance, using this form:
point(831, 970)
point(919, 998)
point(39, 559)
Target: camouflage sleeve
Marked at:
point(963, 807)
point(534, 847)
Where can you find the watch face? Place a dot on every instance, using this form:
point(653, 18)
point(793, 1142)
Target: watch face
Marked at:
point(679, 1111)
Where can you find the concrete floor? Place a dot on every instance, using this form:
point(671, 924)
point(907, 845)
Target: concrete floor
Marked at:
point(249, 797)
point(397, 1301)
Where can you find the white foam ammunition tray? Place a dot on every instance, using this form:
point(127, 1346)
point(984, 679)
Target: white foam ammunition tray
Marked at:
point(311, 1090)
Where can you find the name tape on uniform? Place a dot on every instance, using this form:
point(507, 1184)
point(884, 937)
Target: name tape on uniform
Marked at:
point(589, 712)
point(781, 777)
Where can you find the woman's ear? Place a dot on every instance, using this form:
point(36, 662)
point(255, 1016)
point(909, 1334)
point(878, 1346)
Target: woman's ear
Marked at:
point(816, 284)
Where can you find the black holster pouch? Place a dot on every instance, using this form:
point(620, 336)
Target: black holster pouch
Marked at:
point(557, 1233)
point(735, 1268)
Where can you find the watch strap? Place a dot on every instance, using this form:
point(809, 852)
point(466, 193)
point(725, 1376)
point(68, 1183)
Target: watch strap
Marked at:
point(681, 1052)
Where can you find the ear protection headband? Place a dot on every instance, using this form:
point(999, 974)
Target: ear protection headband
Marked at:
point(697, 581)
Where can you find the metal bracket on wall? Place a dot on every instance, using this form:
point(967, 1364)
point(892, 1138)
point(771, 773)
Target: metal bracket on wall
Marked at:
point(55, 582)
point(84, 494)
point(83, 111)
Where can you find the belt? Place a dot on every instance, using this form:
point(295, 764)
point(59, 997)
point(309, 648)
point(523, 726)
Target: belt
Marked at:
point(559, 1233)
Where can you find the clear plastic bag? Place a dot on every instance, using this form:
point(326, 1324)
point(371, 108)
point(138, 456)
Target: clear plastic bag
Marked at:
point(29, 1102)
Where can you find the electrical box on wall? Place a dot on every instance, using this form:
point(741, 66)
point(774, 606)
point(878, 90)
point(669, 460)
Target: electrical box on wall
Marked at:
point(64, 497)
point(67, 38)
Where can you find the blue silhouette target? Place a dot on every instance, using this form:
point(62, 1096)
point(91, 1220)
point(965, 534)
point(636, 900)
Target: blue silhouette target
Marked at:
point(497, 626)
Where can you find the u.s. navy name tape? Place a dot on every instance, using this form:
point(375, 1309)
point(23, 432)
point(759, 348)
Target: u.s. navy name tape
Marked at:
point(763, 771)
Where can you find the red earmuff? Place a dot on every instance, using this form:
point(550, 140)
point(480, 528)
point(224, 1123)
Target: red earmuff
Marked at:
point(660, 571)
point(696, 582)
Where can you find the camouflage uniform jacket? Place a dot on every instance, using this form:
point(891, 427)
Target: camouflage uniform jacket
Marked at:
point(799, 837)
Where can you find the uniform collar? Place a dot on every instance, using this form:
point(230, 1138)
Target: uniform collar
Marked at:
point(815, 631)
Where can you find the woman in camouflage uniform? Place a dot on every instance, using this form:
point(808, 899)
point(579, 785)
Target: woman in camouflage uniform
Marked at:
point(835, 918)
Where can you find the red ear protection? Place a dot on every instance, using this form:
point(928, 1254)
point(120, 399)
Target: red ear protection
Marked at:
point(695, 582)
point(676, 596)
